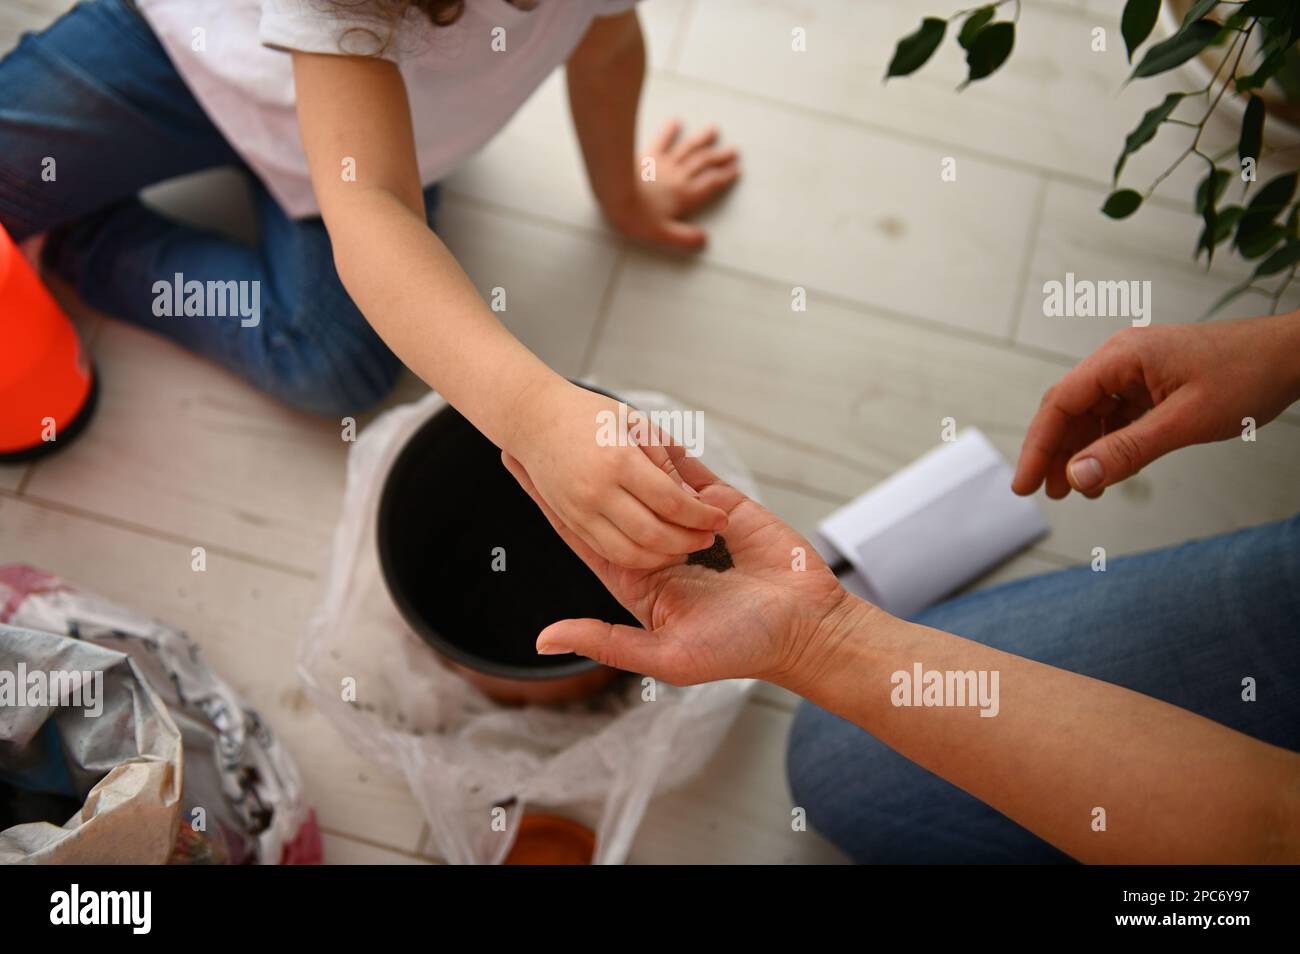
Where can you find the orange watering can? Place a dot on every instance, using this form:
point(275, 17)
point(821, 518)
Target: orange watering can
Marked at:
point(47, 387)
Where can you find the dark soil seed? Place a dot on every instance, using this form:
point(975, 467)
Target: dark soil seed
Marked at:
point(716, 557)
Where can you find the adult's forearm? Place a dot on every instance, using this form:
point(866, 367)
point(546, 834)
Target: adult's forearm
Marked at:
point(420, 301)
point(1174, 787)
point(604, 78)
point(1288, 330)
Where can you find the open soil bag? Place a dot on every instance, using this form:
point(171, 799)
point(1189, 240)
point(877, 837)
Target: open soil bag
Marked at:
point(85, 740)
point(242, 800)
point(477, 766)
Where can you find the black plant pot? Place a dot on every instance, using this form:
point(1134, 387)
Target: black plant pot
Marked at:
point(446, 507)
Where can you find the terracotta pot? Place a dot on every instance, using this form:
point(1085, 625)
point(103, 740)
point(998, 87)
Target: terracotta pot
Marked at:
point(552, 840)
point(477, 571)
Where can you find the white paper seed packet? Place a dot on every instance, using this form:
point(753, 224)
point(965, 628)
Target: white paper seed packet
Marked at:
point(940, 522)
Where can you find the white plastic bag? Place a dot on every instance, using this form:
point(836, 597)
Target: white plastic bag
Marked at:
point(464, 755)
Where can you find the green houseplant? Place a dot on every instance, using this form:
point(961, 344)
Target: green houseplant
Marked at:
point(1250, 47)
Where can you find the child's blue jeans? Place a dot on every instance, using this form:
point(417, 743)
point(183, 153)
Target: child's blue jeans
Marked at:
point(96, 94)
point(1186, 624)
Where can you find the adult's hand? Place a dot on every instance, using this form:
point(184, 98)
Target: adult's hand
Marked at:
point(1060, 744)
point(1149, 391)
point(764, 618)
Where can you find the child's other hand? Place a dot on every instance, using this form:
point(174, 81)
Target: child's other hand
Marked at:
point(625, 501)
point(687, 173)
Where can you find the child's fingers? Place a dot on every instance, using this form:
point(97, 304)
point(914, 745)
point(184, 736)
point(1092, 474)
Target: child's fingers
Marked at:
point(699, 140)
point(619, 548)
point(656, 444)
point(578, 541)
point(708, 158)
point(691, 469)
point(645, 528)
point(666, 136)
point(677, 234)
point(708, 184)
point(669, 500)
point(705, 482)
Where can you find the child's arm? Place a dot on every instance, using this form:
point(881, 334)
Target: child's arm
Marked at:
point(643, 196)
point(422, 304)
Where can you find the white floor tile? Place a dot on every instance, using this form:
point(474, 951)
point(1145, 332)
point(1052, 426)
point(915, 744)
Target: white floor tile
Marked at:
point(822, 204)
point(1056, 104)
point(11, 475)
point(1075, 238)
point(180, 446)
point(553, 279)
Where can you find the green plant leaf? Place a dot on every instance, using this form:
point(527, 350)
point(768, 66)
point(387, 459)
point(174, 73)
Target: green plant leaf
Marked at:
point(989, 50)
point(1146, 129)
point(1122, 204)
point(1266, 70)
point(1268, 203)
point(1288, 256)
point(1177, 50)
point(914, 50)
point(974, 23)
point(1252, 130)
point(1261, 241)
point(1199, 9)
point(1137, 23)
point(1225, 220)
point(1235, 22)
point(1267, 8)
point(1217, 180)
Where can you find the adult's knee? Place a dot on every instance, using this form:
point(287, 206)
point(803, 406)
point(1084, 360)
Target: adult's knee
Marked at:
point(879, 807)
point(832, 767)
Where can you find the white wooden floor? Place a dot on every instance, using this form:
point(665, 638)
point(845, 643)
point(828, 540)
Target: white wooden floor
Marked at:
point(924, 302)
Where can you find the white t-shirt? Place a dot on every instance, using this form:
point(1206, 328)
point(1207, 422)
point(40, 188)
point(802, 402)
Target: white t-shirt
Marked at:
point(463, 87)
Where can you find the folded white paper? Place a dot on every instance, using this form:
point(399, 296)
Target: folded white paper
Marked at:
point(940, 522)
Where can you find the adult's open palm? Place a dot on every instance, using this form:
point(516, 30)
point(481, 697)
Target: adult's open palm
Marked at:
point(754, 620)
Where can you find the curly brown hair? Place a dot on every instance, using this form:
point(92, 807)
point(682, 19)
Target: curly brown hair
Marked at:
point(387, 14)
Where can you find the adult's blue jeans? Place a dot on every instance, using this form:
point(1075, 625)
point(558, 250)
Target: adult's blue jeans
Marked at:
point(97, 94)
point(1186, 624)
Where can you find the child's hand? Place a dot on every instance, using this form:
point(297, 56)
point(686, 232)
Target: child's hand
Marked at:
point(686, 176)
point(625, 501)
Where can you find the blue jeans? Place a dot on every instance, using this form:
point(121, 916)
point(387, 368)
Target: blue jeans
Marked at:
point(1185, 624)
point(97, 94)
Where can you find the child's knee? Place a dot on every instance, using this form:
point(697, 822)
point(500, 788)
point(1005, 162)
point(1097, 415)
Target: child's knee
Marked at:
point(319, 355)
point(340, 382)
point(21, 213)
